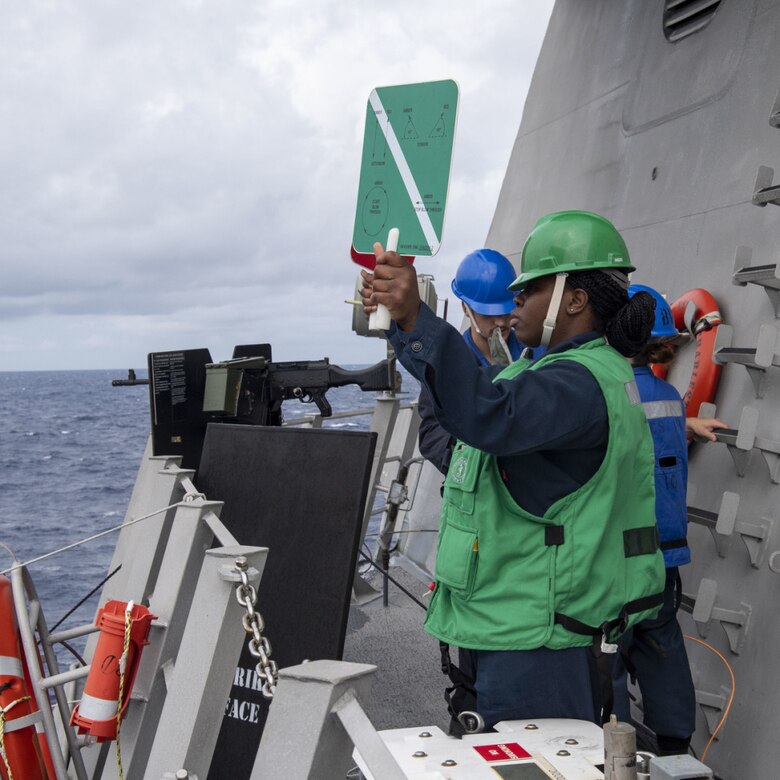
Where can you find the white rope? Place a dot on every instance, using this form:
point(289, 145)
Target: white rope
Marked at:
point(116, 528)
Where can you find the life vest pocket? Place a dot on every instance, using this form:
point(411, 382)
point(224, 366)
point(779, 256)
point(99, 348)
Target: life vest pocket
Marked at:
point(456, 557)
point(461, 483)
point(670, 492)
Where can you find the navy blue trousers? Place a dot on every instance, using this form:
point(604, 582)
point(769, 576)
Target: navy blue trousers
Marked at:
point(541, 683)
point(657, 650)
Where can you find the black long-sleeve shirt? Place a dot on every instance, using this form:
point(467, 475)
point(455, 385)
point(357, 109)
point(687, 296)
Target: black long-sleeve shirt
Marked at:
point(434, 442)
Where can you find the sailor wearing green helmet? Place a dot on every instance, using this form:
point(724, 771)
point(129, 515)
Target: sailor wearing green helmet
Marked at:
point(571, 242)
point(547, 548)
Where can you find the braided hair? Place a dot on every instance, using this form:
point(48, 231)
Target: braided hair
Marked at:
point(662, 352)
point(626, 322)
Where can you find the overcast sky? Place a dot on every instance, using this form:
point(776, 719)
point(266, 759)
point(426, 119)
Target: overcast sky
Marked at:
point(184, 174)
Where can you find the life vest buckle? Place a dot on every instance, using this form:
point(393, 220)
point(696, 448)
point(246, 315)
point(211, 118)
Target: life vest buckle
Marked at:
point(606, 645)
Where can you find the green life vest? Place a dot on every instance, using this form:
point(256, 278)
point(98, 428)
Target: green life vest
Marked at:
point(510, 580)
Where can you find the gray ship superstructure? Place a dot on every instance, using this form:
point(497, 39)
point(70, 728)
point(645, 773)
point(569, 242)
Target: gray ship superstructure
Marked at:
point(663, 117)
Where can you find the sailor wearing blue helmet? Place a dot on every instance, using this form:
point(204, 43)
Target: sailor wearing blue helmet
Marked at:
point(480, 284)
point(654, 649)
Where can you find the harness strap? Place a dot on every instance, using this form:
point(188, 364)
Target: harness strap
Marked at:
point(601, 648)
point(446, 661)
point(628, 662)
point(673, 544)
point(456, 675)
point(604, 671)
point(637, 605)
point(678, 592)
point(643, 603)
point(460, 681)
point(578, 627)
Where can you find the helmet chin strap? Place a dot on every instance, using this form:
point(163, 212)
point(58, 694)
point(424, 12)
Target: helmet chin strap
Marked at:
point(552, 310)
point(473, 319)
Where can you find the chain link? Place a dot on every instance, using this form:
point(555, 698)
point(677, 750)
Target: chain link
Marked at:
point(253, 624)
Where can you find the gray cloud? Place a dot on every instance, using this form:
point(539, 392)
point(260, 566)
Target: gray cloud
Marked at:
point(184, 174)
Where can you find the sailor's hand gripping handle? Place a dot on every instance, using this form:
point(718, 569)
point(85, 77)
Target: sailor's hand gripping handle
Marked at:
point(380, 319)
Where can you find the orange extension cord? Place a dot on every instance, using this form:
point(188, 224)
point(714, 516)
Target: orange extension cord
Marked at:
point(731, 697)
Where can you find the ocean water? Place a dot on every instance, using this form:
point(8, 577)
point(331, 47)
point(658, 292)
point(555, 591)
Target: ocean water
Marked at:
point(70, 447)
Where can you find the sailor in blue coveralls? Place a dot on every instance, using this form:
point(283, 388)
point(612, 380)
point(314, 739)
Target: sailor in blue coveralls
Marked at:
point(655, 648)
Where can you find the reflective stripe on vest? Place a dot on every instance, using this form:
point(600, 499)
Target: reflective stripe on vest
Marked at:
point(632, 391)
point(656, 409)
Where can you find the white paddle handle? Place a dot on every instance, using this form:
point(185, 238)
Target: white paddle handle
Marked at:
point(380, 319)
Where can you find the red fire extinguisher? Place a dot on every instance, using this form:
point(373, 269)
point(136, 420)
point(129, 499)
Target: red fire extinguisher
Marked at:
point(124, 628)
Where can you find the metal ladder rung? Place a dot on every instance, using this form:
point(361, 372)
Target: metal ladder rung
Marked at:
point(765, 191)
point(757, 360)
point(766, 276)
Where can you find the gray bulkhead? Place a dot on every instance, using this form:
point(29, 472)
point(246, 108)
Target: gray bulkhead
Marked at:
point(666, 139)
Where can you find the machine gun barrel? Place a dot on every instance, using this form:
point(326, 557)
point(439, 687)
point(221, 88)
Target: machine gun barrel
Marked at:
point(252, 389)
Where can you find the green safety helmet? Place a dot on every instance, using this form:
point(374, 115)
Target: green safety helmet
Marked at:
point(569, 241)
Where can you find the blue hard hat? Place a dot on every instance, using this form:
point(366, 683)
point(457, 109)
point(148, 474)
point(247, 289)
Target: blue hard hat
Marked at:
point(663, 328)
point(481, 282)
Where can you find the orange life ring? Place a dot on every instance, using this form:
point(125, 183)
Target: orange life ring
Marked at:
point(20, 757)
point(704, 326)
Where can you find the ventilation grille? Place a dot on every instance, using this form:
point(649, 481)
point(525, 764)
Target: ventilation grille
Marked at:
point(685, 17)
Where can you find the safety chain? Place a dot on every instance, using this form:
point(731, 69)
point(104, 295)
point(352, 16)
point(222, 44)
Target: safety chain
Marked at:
point(253, 623)
point(3, 753)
